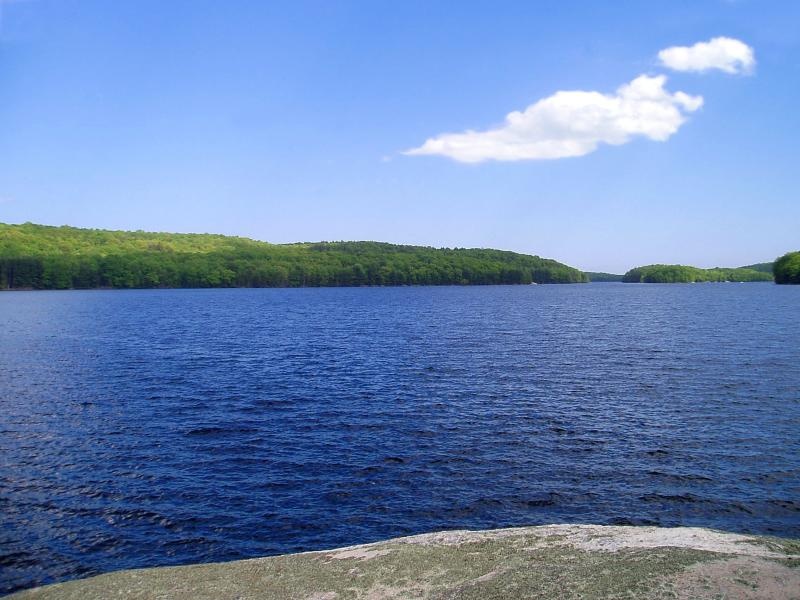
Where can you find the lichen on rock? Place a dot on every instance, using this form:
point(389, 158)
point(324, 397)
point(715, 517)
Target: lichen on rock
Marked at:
point(554, 561)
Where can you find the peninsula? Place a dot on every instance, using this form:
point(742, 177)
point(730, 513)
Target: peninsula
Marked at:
point(44, 257)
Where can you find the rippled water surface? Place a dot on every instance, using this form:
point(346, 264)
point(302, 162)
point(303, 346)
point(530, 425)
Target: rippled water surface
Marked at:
point(143, 428)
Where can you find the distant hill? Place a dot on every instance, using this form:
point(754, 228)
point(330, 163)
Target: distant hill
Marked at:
point(44, 257)
point(763, 267)
point(600, 277)
point(787, 268)
point(686, 274)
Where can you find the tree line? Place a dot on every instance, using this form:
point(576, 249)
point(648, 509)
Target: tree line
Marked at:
point(787, 268)
point(43, 257)
point(686, 274)
point(603, 277)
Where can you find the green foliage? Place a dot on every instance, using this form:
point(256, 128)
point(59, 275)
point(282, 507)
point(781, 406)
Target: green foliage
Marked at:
point(598, 277)
point(684, 274)
point(43, 257)
point(763, 267)
point(787, 268)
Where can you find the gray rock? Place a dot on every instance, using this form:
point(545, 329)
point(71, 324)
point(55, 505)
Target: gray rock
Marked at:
point(557, 561)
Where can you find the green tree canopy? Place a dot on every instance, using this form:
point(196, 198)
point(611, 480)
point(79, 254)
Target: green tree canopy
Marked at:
point(601, 277)
point(787, 268)
point(43, 257)
point(686, 274)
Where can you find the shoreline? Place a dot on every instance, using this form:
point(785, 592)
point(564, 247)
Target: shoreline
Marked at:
point(293, 287)
point(564, 561)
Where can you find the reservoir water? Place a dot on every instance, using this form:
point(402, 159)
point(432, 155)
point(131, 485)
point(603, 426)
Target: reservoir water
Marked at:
point(161, 427)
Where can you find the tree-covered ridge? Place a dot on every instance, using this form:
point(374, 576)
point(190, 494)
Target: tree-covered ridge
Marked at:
point(787, 268)
point(763, 267)
point(602, 277)
point(685, 274)
point(44, 257)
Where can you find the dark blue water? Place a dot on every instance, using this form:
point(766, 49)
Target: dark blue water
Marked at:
point(143, 428)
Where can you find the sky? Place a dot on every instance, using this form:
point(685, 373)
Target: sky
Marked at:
point(605, 135)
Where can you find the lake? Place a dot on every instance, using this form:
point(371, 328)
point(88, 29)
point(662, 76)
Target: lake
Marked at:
point(161, 427)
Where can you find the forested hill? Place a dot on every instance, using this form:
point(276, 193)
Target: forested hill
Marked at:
point(603, 277)
point(763, 267)
point(44, 257)
point(684, 274)
point(787, 268)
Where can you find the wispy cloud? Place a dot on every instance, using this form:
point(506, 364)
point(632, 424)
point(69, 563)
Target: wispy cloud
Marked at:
point(572, 123)
point(722, 53)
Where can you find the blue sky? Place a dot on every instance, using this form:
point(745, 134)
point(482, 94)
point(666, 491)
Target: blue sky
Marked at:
point(288, 121)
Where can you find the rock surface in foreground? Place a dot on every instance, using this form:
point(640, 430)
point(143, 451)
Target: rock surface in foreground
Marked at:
point(557, 561)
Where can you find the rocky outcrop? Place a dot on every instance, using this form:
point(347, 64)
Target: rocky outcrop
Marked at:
point(557, 561)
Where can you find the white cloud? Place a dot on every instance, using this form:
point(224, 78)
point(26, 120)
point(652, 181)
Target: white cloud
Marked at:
point(723, 53)
point(572, 123)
